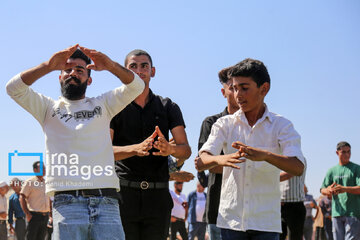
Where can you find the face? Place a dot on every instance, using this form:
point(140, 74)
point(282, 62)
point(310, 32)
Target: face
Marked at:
point(228, 93)
point(248, 95)
point(178, 187)
point(37, 169)
point(344, 154)
point(141, 65)
point(16, 186)
point(199, 188)
point(74, 81)
point(4, 190)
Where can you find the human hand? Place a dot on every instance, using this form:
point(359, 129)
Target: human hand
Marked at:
point(337, 189)
point(58, 61)
point(100, 60)
point(329, 191)
point(254, 154)
point(230, 160)
point(12, 230)
point(181, 176)
point(142, 149)
point(164, 147)
point(28, 217)
point(198, 163)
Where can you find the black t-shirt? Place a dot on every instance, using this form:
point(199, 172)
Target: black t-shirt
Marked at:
point(133, 125)
point(214, 180)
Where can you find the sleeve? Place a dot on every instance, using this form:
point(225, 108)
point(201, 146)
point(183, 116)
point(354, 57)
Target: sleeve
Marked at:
point(217, 138)
point(36, 104)
point(175, 116)
point(204, 132)
point(117, 99)
point(357, 176)
point(10, 212)
point(172, 163)
point(290, 142)
point(327, 180)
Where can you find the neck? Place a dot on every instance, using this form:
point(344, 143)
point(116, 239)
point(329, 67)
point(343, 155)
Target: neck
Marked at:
point(254, 115)
point(177, 192)
point(231, 109)
point(341, 163)
point(143, 98)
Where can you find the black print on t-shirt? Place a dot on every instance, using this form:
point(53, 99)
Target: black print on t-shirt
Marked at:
point(83, 114)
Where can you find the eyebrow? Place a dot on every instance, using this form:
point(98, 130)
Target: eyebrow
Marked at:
point(78, 66)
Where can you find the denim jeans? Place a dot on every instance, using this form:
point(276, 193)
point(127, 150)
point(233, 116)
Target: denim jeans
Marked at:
point(197, 229)
point(80, 218)
point(228, 234)
point(346, 228)
point(214, 232)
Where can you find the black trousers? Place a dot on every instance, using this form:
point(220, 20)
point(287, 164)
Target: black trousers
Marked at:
point(36, 229)
point(20, 229)
point(145, 214)
point(292, 220)
point(178, 226)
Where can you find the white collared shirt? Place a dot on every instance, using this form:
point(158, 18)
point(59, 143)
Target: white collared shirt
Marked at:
point(250, 196)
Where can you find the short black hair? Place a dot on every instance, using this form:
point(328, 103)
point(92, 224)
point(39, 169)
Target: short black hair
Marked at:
point(79, 54)
point(223, 75)
point(35, 164)
point(342, 144)
point(251, 68)
point(138, 52)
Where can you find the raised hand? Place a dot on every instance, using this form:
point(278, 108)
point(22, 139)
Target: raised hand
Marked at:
point(251, 153)
point(181, 176)
point(58, 61)
point(230, 160)
point(100, 60)
point(164, 147)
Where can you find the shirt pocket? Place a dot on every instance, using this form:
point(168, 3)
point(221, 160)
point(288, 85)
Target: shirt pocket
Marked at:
point(264, 166)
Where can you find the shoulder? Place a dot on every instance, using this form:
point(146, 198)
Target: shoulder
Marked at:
point(209, 120)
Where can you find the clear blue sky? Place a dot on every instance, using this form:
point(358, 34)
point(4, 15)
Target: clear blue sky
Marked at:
point(311, 49)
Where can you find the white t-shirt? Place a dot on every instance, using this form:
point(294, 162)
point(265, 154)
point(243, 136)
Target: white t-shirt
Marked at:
point(250, 196)
point(79, 152)
point(178, 210)
point(3, 205)
point(200, 206)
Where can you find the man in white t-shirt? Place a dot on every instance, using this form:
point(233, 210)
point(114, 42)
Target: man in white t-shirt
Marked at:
point(80, 169)
point(197, 201)
point(179, 212)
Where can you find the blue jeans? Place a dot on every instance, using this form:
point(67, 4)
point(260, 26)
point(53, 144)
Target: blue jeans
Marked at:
point(346, 228)
point(197, 229)
point(80, 218)
point(214, 232)
point(228, 234)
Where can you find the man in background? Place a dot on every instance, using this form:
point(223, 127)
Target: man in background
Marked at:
point(4, 188)
point(179, 212)
point(16, 211)
point(197, 201)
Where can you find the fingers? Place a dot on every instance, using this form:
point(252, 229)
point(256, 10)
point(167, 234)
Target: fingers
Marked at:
point(153, 135)
point(157, 129)
point(238, 144)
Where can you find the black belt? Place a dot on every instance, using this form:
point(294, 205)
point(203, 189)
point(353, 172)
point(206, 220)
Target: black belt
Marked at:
point(100, 192)
point(39, 213)
point(144, 184)
point(2, 221)
point(20, 218)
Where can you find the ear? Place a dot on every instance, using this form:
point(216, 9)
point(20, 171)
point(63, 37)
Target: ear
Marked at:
point(89, 81)
point(265, 88)
point(223, 92)
point(337, 153)
point(153, 70)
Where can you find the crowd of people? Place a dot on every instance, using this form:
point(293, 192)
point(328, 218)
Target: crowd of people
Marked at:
point(256, 169)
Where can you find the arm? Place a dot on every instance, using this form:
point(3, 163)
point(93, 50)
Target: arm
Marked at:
point(186, 206)
point(350, 189)
point(140, 149)
point(181, 176)
point(285, 176)
point(208, 161)
point(24, 207)
point(292, 165)
point(10, 213)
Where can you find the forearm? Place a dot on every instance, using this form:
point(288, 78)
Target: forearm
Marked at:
point(285, 176)
point(23, 205)
point(126, 76)
point(124, 152)
point(217, 170)
point(31, 75)
point(352, 190)
point(291, 165)
point(181, 152)
point(208, 161)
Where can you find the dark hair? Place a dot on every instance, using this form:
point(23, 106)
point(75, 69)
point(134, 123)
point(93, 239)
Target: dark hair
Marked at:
point(251, 68)
point(79, 54)
point(35, 164)
point(342, 144)
point(223, 75)
point(179, 182)
point(138, 52)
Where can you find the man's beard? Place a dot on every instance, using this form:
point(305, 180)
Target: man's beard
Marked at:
point(178, 190)
point(73, 91)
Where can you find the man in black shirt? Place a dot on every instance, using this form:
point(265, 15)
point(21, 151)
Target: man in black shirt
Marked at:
point(141, 140)
point(215, 174)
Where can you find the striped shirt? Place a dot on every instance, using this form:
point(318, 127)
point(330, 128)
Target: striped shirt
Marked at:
point(292, 190)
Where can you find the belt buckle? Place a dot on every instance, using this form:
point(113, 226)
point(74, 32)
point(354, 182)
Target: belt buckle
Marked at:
point(84, 194)
point(144, 185)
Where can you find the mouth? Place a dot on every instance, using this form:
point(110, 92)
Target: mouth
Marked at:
point(72, 80)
